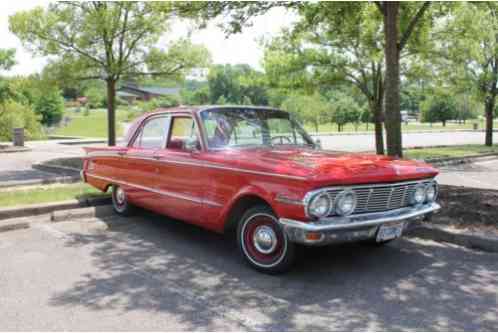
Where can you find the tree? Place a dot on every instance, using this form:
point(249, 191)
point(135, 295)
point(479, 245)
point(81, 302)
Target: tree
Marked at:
point(400, 22)
point(50, 106)
point(312, 109)
point(237, 84)
point(330, 45)
point(395, 41)
point(7, 60)
point(344, 110)
point(470, 49)
point(106, 41)
point(439, 107)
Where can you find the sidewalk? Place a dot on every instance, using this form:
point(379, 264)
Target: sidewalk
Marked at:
point(16, 168)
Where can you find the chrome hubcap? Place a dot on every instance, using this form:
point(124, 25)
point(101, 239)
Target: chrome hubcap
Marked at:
point(265, 239)
point(120, 196)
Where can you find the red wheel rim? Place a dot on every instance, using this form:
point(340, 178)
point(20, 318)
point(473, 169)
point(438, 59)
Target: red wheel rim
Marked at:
point(248, 239)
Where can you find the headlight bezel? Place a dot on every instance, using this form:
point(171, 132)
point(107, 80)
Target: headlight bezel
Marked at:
point(338, 210)
point(435, 186)
point(313, 198)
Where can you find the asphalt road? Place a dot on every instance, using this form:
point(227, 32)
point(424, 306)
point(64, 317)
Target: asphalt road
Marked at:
point(366, 142)
point(150, 273)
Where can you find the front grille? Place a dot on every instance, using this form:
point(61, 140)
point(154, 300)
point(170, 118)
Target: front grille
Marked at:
point(379, 197)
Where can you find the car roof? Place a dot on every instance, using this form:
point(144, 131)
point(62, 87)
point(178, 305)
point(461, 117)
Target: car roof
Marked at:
point(200, 108)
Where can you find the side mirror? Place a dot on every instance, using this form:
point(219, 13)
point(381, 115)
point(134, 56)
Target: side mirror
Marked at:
point(191, 144)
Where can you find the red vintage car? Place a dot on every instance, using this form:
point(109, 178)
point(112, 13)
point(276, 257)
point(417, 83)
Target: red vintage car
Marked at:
point(255, 171)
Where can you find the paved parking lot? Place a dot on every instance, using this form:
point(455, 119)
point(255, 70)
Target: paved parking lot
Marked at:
point(150, 273)
point(482, 174)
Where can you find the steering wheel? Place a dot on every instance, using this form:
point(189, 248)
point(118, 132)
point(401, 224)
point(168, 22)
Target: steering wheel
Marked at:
point(282, 138)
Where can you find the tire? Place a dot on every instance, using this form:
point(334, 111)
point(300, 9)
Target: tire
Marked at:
point(120, 201)
point(277, 255)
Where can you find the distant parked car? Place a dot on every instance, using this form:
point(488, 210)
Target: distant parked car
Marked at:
point(257, 172)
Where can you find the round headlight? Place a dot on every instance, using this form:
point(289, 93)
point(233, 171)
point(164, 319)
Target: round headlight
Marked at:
point(319, 205)
point(345, 202)
point(418, 195)
point(431, 191)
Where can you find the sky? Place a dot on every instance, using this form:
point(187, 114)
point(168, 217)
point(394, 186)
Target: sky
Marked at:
point(239, 48)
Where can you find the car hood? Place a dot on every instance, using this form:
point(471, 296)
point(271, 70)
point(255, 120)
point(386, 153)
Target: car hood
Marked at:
point(326, 167)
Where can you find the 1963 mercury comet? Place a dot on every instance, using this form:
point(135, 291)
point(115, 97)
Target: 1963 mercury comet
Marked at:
point(257, 172)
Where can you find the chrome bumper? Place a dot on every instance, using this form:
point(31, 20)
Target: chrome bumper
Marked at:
point(352, 228)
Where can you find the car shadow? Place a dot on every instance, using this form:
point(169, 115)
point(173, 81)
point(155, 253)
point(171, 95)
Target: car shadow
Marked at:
point(156, 264)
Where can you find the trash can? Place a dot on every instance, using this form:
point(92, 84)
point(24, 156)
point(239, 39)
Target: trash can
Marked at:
point(18, 137)
point(475, 126)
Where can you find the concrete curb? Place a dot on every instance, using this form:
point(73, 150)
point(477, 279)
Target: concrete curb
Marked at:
point(4, 227)
point(41, 181)
point(11, 150)
point(37, 209)
point(460, 160)
point(440, 234)
point(79, 213)
point(55, 168)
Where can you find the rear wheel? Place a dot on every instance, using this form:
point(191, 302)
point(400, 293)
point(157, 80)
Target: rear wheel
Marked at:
point(263, 243)
point(120, 201)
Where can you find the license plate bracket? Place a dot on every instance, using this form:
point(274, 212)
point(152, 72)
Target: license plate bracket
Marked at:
point(390, 231)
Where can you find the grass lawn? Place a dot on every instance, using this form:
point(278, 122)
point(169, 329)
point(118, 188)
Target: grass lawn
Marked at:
point(47, 193)
point(94, 125)
point(453, 151)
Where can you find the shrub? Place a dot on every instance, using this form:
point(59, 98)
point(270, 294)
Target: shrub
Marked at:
point(50, 106)
point(161, 102)
point(96, 98)
point(12, 115)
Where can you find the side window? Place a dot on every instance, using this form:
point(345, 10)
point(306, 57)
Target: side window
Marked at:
point(183, 134)
point(153, 134)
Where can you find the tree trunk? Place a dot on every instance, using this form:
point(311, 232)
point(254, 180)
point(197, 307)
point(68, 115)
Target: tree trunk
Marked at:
point(392, 80)
point(488, 110)
point(444, 123)
point(111, 112)
point(376, 109)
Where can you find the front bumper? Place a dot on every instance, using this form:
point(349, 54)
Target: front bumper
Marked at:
point(353, 228)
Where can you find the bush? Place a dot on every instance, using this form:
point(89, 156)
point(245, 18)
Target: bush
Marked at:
point(50, 106)
point(96, 98)
point(12, 115)
point(160, 102)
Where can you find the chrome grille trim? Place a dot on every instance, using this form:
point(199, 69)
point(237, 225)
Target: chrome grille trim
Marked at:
point(372, 198)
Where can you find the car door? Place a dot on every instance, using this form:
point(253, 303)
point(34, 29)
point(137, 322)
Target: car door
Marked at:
point(181, 178)
point(142, 165)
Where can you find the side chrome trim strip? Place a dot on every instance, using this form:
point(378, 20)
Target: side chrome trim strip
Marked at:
point(202, 165)
point(160, 192)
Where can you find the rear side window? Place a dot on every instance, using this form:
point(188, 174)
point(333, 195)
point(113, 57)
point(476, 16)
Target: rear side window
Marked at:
point(153, 134)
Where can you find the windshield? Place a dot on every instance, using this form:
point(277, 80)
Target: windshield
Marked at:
point(252, 127)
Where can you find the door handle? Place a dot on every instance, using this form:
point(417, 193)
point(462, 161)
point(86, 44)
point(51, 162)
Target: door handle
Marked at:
point(156, 157)
point(121, 153)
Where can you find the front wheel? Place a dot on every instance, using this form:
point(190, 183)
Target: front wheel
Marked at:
point(263, 243)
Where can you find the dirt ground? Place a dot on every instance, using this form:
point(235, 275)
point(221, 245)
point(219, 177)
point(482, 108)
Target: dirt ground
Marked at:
point(468, 208)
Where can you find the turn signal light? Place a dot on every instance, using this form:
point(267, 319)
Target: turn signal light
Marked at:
point(313, 236)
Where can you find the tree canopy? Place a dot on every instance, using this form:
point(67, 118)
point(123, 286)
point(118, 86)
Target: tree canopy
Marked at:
point(106, 41)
